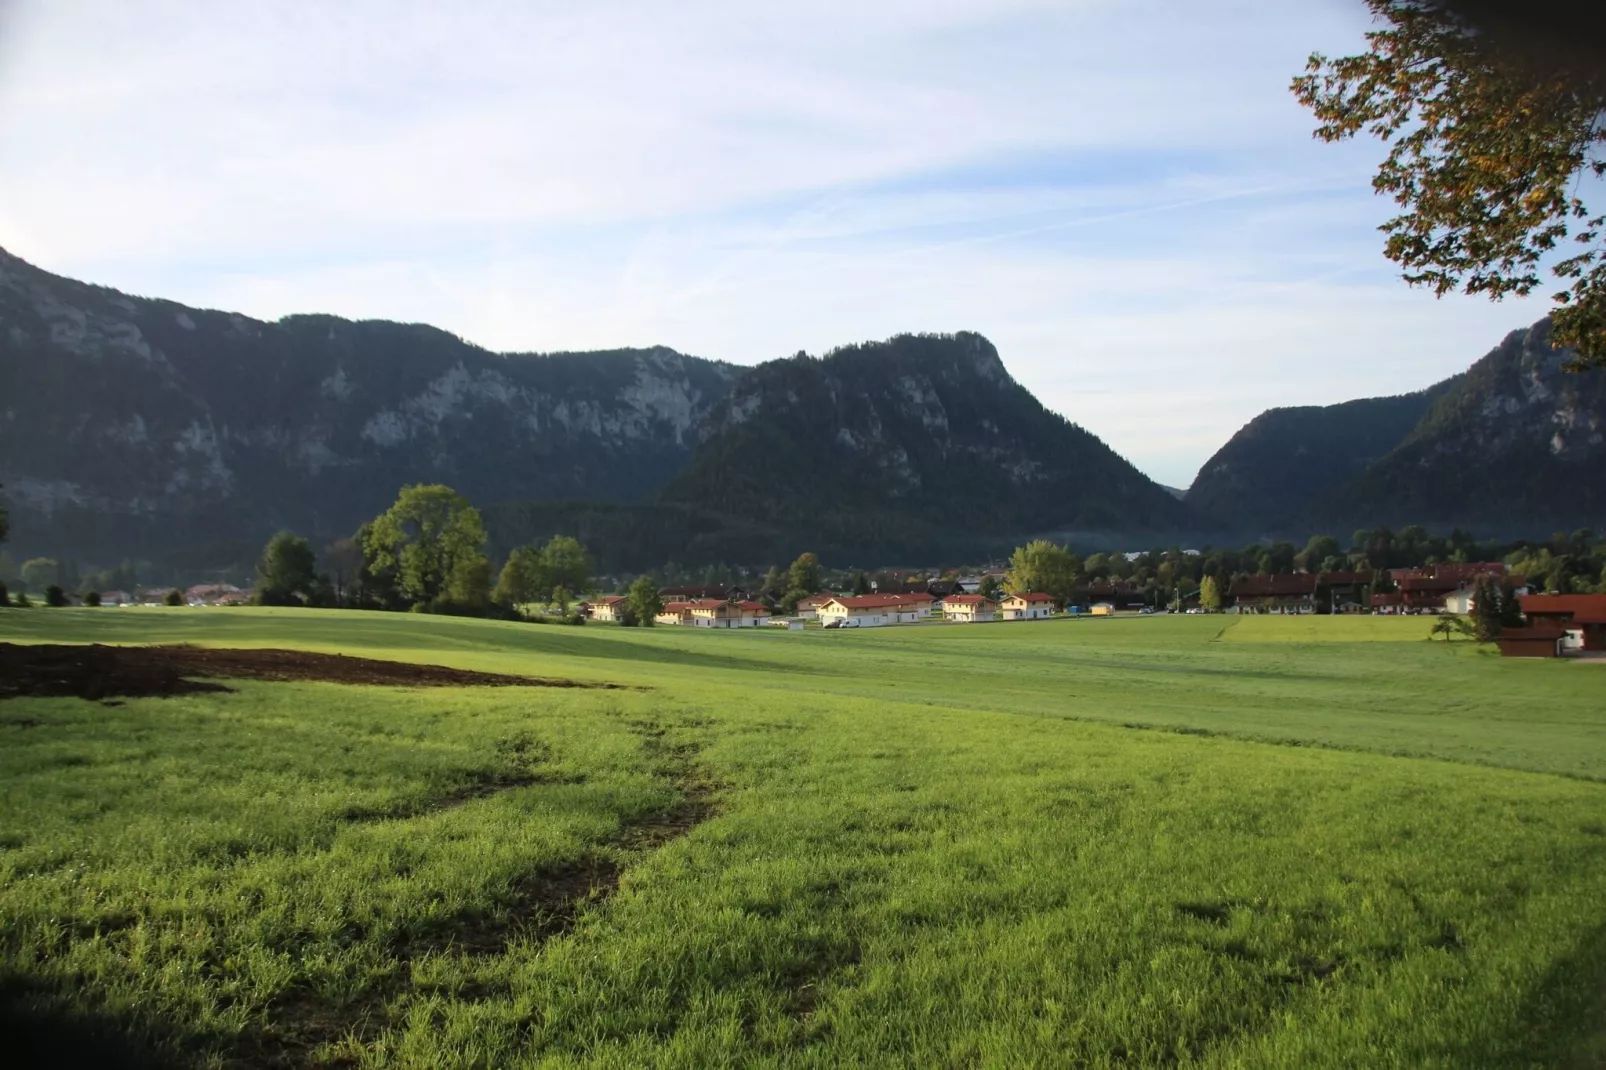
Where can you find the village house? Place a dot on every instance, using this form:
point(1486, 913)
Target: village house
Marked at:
point(1555, 615)
point(809, 608)
point(968, 608)
point(609, 607)
point(673, 613)
point(713, 613)
point(1030, 606)
point(875, 610)
point(1279, 593)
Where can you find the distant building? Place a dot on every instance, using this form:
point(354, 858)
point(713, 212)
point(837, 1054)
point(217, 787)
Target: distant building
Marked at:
point(1032, 606)
point(875, 610)
point(969, 608)
point(809, 608)
point(1584, 615)
point(609, 607)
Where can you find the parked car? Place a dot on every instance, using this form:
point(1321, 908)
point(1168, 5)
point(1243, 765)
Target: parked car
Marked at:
point(832, 624)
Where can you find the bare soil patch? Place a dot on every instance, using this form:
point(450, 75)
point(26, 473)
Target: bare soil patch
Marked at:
point(99, 672)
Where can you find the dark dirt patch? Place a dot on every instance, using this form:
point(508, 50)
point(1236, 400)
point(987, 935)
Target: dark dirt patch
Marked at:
point(100, 672)
point(544, 905)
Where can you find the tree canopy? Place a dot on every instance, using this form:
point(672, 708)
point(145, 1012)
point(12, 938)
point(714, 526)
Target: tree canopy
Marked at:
point(643, 601)
point(1489, 139)
point(1043, 567)
point(288, 568)
point(423, 538)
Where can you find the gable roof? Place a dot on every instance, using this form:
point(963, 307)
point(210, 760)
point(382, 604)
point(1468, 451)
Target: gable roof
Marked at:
point(1583, 608)
point(1030, 596)
point(880, 601)
point(968, 600)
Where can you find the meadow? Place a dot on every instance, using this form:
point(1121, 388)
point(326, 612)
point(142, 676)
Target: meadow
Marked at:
point(1174, 841)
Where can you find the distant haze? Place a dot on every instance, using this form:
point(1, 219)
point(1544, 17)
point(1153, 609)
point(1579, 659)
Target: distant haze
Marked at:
point(1122, 195)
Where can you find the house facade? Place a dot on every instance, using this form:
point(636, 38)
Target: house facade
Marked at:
point(809, 608)
point(713, 613)
point(875, 610)
point(969, 608)
point(1582, 614)
point(609, 607)
point(1031, 606)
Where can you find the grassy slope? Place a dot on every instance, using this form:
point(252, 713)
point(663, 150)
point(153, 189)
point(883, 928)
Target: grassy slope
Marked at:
point(921, 859)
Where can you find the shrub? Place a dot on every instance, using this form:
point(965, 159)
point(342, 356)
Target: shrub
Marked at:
point(575, 618)
point(22, 600)
point(55, 596)
point(91, 598)
point(174, 597)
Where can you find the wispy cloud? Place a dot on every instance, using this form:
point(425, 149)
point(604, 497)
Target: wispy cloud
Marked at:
point(1121, 194)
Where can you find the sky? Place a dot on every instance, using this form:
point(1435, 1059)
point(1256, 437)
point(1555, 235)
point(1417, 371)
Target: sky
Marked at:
point(1123, 195)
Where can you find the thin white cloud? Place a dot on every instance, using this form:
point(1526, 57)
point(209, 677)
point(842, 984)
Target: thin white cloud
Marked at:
point(1122, 194)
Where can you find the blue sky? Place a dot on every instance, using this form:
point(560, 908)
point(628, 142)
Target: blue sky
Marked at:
point(1121, 194)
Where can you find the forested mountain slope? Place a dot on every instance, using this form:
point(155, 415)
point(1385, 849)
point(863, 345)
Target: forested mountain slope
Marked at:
point(901, 441)
point(1513, 447)
point(131, 426)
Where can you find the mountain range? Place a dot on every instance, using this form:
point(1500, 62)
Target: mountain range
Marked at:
point(140, 427)
point(137, 427)
point(1511, 447)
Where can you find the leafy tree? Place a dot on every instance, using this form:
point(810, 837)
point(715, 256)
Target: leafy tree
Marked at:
point(1209, 594)
point(1318, 551)
point(566, 564)
point(804, 575)
point(175, 597)
point(1489, 144)
point(345, 562)
point(287, 570)
point(1043, 567)
point(55, 596)
point(990, 587)
point(5, 595)
point(91, 598)
point(422, 538)
point(39, 572)
point(469, 586)
point(1485, 609)
point(643, 600)
point(1510, 607)
point(523, 578)
point(774, 586)
point(561, 598)
point(861, 584)
point(22, 600)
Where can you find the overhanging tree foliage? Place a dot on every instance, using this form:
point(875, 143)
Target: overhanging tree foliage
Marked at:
point(1491, 141)
point(1042, 567)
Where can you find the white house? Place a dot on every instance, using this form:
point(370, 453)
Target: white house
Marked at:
point(1033, 606)
point(874, 610)
point(969, 608)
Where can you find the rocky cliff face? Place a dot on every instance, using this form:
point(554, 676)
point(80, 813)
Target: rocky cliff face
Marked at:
point(921, 429)
point(1513, 446)
point(1516, 444)
point(130, 425)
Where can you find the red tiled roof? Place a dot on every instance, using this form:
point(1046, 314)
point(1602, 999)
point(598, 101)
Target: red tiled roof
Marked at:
point(607, 600)
point(1032, 596)
point(881, 601)
point(967, 600)
point(1582, 608)
point(1431, 584)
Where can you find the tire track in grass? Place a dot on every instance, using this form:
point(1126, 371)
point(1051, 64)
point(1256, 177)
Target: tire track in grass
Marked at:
point(547, 904)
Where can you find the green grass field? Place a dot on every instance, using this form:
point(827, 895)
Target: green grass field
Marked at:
point(1167, 841)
